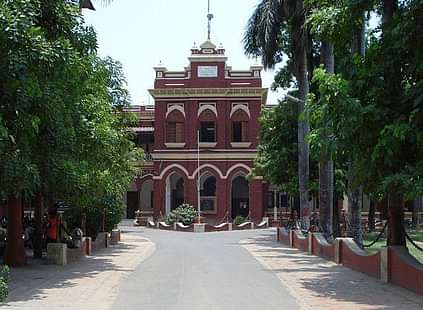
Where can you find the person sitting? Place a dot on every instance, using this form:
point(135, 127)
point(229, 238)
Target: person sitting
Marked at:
point(52, 227)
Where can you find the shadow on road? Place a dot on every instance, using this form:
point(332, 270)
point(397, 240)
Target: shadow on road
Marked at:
point(29, 283)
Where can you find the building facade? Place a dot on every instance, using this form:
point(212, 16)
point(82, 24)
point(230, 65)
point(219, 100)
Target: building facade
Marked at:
point(202, 134)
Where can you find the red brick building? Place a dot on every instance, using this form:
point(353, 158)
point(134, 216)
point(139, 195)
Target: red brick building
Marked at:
point(220, 107)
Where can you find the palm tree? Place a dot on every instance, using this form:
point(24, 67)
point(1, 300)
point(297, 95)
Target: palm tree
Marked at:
point(277, 26)
point(87, 4)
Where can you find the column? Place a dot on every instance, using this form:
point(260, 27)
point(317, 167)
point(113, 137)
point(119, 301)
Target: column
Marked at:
point(256, 200)
point(158, 197)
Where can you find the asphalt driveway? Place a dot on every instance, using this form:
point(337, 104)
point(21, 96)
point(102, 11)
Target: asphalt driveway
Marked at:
point(201, 271)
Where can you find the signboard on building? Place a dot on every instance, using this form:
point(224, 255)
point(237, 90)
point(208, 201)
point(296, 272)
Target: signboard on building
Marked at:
point(207, 71)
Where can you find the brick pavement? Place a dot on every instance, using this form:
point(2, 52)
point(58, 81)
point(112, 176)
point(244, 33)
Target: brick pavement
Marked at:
point(321, 284)
point(90, 283)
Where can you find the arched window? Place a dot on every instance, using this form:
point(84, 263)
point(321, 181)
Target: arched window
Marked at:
point(175, 127)
point(208, 127)
point(240, 127)
point(208, 193)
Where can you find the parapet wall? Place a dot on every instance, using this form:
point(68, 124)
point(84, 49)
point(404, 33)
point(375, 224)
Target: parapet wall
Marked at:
point(391, 264)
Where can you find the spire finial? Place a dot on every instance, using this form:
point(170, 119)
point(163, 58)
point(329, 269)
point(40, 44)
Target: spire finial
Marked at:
point(209, 18)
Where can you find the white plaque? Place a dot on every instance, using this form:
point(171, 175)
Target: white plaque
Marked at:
point(207, 71)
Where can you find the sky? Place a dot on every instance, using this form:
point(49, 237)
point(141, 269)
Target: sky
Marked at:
point(141, 33)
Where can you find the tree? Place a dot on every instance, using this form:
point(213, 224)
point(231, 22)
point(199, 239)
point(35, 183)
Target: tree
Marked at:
point(279, 147)
point(61, 131)
point(364, 103)
point(278, 27)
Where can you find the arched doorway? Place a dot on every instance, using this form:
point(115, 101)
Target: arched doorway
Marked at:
point(240, 196)
point(175, 188)
point(146, 195)
point(208, 193)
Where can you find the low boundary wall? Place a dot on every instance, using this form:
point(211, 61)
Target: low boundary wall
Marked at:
point(404, 270)
point(391, 264)
point(352, 256)
point(321, 247)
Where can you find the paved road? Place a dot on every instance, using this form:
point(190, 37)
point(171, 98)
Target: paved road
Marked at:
point(202, 271)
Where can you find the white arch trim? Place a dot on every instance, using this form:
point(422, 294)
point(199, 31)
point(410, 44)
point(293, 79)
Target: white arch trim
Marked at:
point(236, 167)
point(207, 107)
point(240, 107)
point(213, 167)
point(146, 176)
point(177, 108)
point(182, 168)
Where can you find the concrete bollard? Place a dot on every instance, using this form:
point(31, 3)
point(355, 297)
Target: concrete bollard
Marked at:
point(384, 264)
point(88, 245)
point(230, 226)
point(310, 243)
point(199, 227)
point(114, 236)
point(291, 238)
point(56, 254)
point(338, 251)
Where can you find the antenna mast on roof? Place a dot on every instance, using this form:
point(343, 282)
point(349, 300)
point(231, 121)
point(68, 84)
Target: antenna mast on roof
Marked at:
point(209, 18)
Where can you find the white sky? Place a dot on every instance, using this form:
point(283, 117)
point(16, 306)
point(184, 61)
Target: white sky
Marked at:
point(141, 33)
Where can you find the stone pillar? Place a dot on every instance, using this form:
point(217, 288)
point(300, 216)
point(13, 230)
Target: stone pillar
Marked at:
point(291, 238)
point(159, 194)
point(223, 203)
point(338, 251)
point(256, 200)
point(191, 192)
point(384, 264)
point(88, 245)
point(56, 254)
point(310, 243)
point(15, 252)
point(199, 228)
point(114, 237)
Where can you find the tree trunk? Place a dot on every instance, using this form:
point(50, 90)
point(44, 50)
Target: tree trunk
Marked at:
point(15, 251)
point(326, 163)
point(336, 215)
point(37, 203)
point(392, 80)
point(389, 8)
point(354, 229)
point(396, 235)
point(359, 39)
point(303, 125)
point(371, 216)
point(354, 215)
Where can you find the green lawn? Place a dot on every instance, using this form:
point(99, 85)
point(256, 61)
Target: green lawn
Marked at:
point(416, 236)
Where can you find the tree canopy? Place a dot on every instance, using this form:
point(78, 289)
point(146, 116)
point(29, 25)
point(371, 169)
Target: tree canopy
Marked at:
point(62, 127)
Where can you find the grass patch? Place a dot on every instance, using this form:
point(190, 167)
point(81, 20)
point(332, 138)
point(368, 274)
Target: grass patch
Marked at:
point(416, 236)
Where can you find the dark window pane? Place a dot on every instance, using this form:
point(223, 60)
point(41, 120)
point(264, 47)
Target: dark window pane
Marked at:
point(208, 132)
point(237, 132)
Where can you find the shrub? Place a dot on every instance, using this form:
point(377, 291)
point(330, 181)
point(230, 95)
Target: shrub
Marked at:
point(4, 280)
point(185, 213)
point(111, 208)
point(239, 219)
